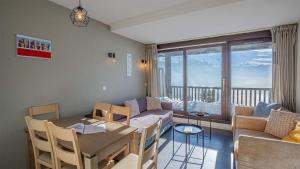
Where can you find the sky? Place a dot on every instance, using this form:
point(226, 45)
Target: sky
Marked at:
point(249, 69)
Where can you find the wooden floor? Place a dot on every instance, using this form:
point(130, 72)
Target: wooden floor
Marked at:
point(218, 151)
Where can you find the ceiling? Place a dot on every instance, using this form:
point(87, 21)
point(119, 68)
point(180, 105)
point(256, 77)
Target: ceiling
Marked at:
point(162, 21)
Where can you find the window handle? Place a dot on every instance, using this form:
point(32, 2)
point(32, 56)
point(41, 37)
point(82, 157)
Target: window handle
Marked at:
point(223, 84)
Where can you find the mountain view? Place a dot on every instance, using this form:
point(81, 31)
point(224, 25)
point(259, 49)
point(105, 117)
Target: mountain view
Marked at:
point(251, 66)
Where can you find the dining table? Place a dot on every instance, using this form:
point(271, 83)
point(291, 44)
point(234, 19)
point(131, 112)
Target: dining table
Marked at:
point(98, 146)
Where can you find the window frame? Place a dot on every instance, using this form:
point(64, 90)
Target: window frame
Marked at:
point(225, 42)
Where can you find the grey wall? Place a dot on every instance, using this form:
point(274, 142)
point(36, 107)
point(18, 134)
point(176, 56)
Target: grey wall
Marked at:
point(298, 73)
point(73, 78)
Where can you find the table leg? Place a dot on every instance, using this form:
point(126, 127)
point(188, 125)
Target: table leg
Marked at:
point(210, 128)
point(91, 163)
point(203, 144)
point(186, 142)
point(189, 143)
point(133, 142)
point(197, 134)
point(173, 140)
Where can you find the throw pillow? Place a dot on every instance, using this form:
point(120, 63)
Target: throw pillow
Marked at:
point(294, 136)
point(263, 109)
point(134, 107)
point(280, 123)
point(142, 102)
point(153, 103)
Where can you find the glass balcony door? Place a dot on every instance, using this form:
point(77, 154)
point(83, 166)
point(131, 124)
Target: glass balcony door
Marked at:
point(204, 80)
point(251, 73)
point(170, 70)
point(192, 79)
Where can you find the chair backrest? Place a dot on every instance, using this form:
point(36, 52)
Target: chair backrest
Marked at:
point(68, 155)
point(40, 137)
point(104, 108)
point(120, 110)
point(45, 109)
point(150, 152)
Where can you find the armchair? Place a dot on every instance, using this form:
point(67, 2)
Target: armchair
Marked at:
point(253, 148)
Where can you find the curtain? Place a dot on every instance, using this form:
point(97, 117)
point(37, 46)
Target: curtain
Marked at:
point(151, 70)
point(284, 39)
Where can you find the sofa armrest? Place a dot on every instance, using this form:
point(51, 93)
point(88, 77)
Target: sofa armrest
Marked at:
point(262, 153)
point(250, 123)
point(244, 110)
point(241, 110)
point(166, 105)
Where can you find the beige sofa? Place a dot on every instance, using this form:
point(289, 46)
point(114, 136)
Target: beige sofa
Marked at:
point(255, 149)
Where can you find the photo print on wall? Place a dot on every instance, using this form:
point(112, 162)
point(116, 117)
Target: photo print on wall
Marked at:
point(31, 47)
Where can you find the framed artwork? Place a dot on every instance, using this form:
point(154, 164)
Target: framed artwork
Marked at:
point(129, 64)
point(31, 47)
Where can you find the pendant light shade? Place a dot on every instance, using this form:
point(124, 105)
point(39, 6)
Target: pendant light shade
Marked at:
point(79, 16)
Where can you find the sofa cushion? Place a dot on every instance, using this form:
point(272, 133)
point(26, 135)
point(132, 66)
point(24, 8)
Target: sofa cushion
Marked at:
point(252, 133)
point(134, 107)
point(250, 123)
point(142, 102)
point(263, 109)
point(280, 123)
point(294, 136)
point(153, 103)
point(166, 105)
point(148, 118)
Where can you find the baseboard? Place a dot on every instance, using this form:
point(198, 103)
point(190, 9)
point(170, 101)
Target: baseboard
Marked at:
point(215, 125)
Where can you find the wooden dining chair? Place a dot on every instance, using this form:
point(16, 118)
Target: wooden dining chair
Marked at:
point(65, 156)
point(41, 143)
point(66, 149)
point(35, 111)
point(121, 111)
point(104, 109)
point(147, 157)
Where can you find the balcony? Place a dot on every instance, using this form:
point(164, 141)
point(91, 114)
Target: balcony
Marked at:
point(208, 99)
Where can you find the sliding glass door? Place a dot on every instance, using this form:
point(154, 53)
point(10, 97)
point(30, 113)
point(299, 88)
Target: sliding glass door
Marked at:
point(170, 69)
point(192, 79)
point(251, 73)
point(216, 78)
point(204, 80)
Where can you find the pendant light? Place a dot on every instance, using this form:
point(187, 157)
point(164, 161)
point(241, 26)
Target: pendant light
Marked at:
point(79, 16)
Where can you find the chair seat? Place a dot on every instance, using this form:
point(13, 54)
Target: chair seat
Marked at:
point(104, 164)
point(131, 161)
point(67, 166)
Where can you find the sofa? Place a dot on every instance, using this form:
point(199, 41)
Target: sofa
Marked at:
point(148, 117)
point(255, 149)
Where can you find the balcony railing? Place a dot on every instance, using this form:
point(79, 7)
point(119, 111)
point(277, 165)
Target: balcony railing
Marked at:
point(239, 96)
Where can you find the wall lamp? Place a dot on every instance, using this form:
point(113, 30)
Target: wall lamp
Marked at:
point(112, 55)
point(144, 62)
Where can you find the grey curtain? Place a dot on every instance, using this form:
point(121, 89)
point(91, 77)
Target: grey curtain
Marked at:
point(284, 40)
point(151, 70)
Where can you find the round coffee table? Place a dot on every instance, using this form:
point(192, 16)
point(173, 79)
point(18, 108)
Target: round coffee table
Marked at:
point(200, 116)
point(188, 130)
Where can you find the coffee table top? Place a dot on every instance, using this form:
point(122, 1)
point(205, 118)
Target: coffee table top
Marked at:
point(199, 114)
point(188, 129)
